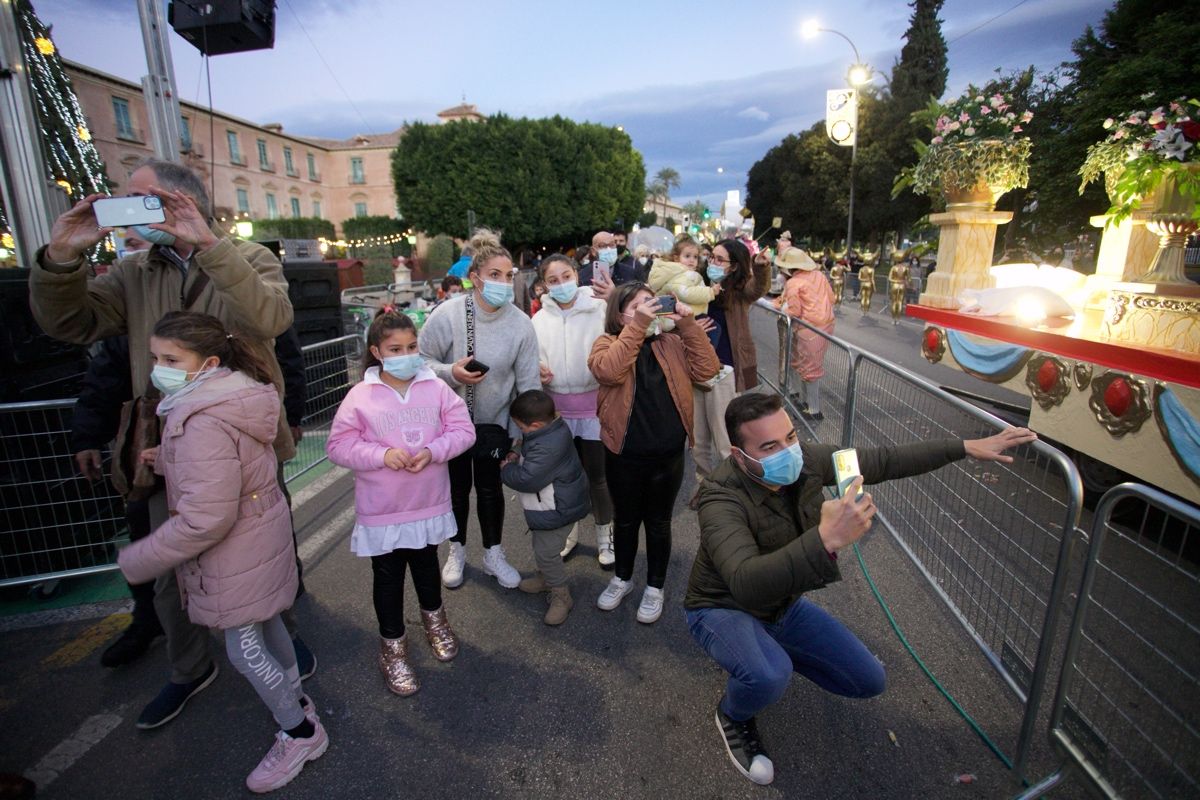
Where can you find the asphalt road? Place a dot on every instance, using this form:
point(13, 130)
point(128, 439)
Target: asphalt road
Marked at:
point(602, 707)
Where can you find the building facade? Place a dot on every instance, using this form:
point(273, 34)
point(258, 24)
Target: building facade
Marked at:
point(255, 171)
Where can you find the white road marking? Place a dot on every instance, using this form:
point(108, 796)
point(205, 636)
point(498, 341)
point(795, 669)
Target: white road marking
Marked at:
point(336, 528)
point(74, 747)
point(317, 486)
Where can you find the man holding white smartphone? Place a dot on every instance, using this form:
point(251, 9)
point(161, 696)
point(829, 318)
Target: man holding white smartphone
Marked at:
point(767, 536)
point(193, 265)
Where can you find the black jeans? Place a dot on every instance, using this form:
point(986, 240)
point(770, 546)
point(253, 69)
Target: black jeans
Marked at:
point(388, 589)
point(137, 516)
point(643, 492)
point(484, 471)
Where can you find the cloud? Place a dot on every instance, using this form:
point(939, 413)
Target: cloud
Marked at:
point(754, 112)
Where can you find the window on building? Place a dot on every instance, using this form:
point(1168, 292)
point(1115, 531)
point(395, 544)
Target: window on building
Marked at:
point(312, 167)
point(317, 209)
point(360, 209)
point(185, 134)
point(295, 206)
point(356, 171)
point(124, 120)
point(272, 207)
point(243, 201)
point(263, 161)
point(235, 151)
point(288, 164)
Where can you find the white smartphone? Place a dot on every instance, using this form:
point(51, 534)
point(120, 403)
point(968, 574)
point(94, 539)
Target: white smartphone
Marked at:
point(121, 212)
point(601, 270)
point(845, 469)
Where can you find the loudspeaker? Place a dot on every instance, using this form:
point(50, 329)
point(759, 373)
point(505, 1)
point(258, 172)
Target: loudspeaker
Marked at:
point(216, 27)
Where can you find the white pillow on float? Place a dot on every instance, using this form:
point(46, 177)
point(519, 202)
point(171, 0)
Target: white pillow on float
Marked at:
point(1027, 303)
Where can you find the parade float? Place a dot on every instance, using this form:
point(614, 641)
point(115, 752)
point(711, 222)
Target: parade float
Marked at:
point(1110, 360)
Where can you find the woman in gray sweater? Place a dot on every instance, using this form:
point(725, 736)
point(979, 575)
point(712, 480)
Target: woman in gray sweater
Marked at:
point(484, 347)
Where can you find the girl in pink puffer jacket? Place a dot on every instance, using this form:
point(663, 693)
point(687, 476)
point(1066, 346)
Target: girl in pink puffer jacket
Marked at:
point(229, 533)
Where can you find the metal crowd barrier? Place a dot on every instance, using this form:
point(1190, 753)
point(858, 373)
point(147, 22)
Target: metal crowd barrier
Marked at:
point(330, 369)
point(1126, 717)
point(53, 522)
point(992, 540)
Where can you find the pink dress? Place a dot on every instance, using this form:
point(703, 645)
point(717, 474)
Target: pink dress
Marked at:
point(807, 295)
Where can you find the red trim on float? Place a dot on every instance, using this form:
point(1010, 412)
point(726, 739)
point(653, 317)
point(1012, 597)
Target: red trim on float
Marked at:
point(1151, 362)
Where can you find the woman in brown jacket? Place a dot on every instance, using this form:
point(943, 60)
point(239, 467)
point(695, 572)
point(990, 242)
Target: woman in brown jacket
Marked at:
point(645, 410)
point(745, 281)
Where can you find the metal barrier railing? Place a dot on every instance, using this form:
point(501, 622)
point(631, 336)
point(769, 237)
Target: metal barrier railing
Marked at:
point(992, 540)
point(1126, 716)
point(330, 369)
point(56, 524)
point(53, 522)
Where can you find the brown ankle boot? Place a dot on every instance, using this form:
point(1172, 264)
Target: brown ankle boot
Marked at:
point(437, 631)
point(560, 605)
point(393, 663)
point(534, 584)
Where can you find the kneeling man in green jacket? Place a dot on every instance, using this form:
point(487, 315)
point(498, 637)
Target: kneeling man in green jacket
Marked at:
point(767, 536)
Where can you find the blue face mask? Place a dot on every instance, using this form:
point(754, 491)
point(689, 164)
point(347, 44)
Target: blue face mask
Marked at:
point(153, 235)
point(403, 368)
point(564, 292)
point(608, 255)
point(168, 380)
point(497, 294)
point(715, 274)
point(782, 468)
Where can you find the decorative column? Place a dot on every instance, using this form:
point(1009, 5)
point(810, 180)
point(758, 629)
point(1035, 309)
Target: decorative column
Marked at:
point(964, 253)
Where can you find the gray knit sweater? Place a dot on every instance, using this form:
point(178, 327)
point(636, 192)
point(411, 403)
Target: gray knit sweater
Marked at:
point(504, 340)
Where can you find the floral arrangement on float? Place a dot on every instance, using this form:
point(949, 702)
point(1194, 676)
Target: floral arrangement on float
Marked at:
point(976, 153)
point(1152, 158)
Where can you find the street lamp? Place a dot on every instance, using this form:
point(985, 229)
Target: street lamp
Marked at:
point(858, 75)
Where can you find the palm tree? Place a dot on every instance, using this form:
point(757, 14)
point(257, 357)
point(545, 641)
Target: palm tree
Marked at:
point(664, 181)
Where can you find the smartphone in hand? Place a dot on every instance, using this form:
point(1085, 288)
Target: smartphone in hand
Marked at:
point(601, 271)
point(475, 365)
point(666, 304)
point(121, 212)
point(845, 469)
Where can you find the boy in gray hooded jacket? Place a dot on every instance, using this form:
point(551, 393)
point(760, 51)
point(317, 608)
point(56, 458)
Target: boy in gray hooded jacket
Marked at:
point(553, 490)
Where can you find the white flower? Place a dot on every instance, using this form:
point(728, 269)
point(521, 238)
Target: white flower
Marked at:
point(971, 132)
point(1027, 116)
point(1108, 123)
point(1171, 142)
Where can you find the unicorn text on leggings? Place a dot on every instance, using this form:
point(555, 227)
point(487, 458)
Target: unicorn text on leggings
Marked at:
point(256, 657)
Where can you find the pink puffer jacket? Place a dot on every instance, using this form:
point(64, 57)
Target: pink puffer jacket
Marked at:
point(229, 535)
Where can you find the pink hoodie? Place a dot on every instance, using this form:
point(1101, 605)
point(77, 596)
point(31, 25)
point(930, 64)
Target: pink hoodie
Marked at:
point(374, 418)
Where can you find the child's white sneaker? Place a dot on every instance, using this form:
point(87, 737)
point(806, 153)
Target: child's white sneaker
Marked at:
point(651, 606)
point(613, 594)
point(496, 565)
point(572, 540)
point(285, 759)
point(604, 546)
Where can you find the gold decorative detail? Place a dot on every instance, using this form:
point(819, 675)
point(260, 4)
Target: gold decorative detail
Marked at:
point(1043, 369)
point(1168, 321)
point(1083, 375)
point(44, 45)
point(66, 187)
point(84, 134)
point(866, 286)
point(1137, 413)
point(933, 344)
point(837, 279)
point(1116, 308)
point(897, 286)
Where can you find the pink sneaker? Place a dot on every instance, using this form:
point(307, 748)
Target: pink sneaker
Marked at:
point(285, 759)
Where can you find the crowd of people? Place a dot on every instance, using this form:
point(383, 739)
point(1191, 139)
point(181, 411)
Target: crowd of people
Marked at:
point(586, 409)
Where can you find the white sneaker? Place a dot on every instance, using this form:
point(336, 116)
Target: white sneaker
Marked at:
point(651, 607)
point(452, 570)
point(604, 546)
point(613, 594)
point(572, 540)
point(496, 565)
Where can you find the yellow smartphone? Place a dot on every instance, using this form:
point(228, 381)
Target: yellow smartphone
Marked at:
point(845, 469)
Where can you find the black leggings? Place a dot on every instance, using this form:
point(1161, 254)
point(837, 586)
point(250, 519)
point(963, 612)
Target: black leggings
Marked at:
point(388, 589)
point(643, 492)
point(484, 471)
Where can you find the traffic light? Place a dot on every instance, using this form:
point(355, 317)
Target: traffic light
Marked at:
point(707, 214)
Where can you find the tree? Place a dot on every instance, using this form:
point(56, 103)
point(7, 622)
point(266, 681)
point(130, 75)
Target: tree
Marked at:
point(371, 226)
point(546, 181)
point(696, 210)
point(68, 152)
point(293, 228)
point(668, 178)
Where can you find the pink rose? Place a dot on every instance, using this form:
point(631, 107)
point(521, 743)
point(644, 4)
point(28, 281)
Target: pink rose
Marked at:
point(1017, 129)
point(964, 117)
point(1026, 117)
point(936, 140)
point(985, 110)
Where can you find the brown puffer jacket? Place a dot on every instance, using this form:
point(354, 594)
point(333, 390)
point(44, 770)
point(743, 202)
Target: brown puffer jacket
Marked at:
point(685, 355)
point(229, 534)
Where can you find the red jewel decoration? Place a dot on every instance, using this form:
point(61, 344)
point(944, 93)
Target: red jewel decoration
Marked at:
point(1047, 375)
point(932, 340)
point(1118, 397)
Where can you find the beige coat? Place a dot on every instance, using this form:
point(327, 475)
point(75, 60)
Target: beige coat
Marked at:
point(246, 291)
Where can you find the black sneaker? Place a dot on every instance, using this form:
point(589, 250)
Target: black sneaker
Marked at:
point(814, 416)
point(745, 750)
point(306, 662)
point(172, 699)
point(133, 642)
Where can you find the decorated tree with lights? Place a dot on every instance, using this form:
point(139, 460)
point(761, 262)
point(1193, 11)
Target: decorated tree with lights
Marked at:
point(69, 154)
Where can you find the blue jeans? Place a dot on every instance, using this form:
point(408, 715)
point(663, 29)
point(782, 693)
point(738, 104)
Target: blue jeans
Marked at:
point(760, 657)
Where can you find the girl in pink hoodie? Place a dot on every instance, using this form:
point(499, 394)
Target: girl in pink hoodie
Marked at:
point(398, 430)
point(229, 532)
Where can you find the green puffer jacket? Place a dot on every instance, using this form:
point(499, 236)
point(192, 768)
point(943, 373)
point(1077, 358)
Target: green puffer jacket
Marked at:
point(760, 550)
